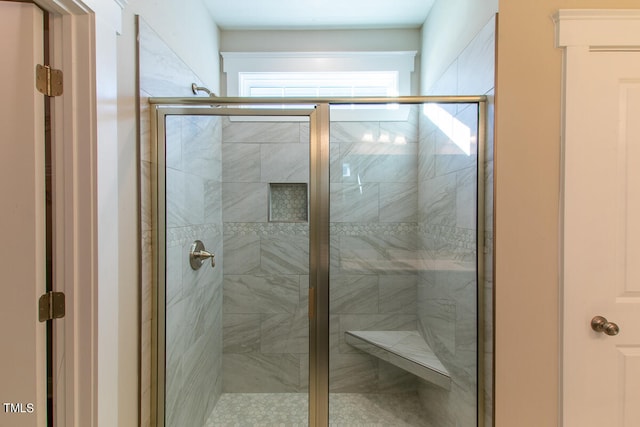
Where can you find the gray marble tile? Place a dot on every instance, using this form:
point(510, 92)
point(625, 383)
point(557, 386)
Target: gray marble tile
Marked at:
point(284, 162)
point(440, 320)
point(336, 168)
point(173, 393)
point(392, 379)
point(439, 207)
point(466, 316)
point(398, 202)
point(401, 132)
point(305, 129)
point(242, 254)
point(450, 157)
point(162, 72)
point(354, 131)
point(194, 192)
point(201, 150)
point(285, 333)
point(379, 162)
point(354, 294)
point(427, 156)
point(268, 294)
point(398, 294)
point(173, 142)
point(241, 162)
point(447, 84)
point(353, 373)
point(212, 202)
point(175, 198)
point(184, 199)
point(241, 333)
point(284, 254)
point(198, 378)
point(437, 403)
point(176, 331)
point(399, 163)
point(244, 202)
point(261, 373)
point(466, 198)
point(173, 278)
point(260, 132)
point(382, 254)
point(476, 63)
point(354, 203)
point(304, 375)
point(358, 160)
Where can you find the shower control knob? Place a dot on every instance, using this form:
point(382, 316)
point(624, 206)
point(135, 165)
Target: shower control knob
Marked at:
point(601, 324)
point(197, 255)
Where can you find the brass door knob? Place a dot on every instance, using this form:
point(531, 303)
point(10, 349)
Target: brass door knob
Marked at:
point(601, 324)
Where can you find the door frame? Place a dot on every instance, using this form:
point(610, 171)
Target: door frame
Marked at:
point(82, 39)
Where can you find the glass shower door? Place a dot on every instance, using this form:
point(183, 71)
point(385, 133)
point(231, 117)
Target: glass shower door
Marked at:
point(403, 278)
point(236, 330)
point(366, 215)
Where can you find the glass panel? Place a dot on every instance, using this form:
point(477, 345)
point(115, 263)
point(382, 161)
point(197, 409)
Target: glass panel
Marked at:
point(237, 334)
point(403, 291)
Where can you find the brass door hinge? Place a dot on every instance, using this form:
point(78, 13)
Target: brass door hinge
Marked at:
point(51, 306)
point(48, 80)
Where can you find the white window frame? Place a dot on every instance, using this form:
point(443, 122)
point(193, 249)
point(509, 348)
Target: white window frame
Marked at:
point(401, 62)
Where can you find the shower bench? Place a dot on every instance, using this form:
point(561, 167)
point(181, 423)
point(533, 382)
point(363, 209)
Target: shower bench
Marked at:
point(404, 349)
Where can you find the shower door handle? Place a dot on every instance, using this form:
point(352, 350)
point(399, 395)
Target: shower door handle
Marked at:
point(601, 324)
point(197, 255)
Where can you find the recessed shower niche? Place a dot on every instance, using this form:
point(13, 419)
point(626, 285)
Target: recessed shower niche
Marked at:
point(288, 202)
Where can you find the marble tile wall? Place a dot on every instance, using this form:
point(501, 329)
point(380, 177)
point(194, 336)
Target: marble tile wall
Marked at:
point(447, 293)
point(265, 319)
point(374, 252)
point(194, 298)
point(194, 200)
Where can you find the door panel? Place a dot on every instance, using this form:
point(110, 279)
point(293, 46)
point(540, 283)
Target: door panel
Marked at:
point(22, 186)
point(403, 281)
point(602, 238)
point(237, 333)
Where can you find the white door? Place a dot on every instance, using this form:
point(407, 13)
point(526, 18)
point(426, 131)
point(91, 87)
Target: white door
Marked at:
point(601, 224)
point(22, 218)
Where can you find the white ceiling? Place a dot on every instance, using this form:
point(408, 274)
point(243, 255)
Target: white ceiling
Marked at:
point(318, 14)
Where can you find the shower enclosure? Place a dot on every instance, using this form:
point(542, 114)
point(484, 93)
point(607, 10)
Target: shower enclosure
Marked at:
point(318, 261)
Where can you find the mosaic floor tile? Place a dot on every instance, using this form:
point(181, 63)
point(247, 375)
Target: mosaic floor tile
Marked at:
point(290, 410)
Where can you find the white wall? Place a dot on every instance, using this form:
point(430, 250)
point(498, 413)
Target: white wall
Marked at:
point(325, 41)
point(449, 28)
point(190, 32)
point(311, 40)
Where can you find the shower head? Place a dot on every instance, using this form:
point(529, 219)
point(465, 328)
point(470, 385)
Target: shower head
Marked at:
point(195, 89)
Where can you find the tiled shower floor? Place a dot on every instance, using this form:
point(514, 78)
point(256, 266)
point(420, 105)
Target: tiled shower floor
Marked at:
point(290, 410)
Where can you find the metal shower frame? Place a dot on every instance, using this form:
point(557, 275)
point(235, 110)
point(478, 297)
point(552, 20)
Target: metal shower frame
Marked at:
point(317, 110)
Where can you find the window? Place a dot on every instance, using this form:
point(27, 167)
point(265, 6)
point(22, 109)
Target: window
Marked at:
point(324, 84)
point(323, 74)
